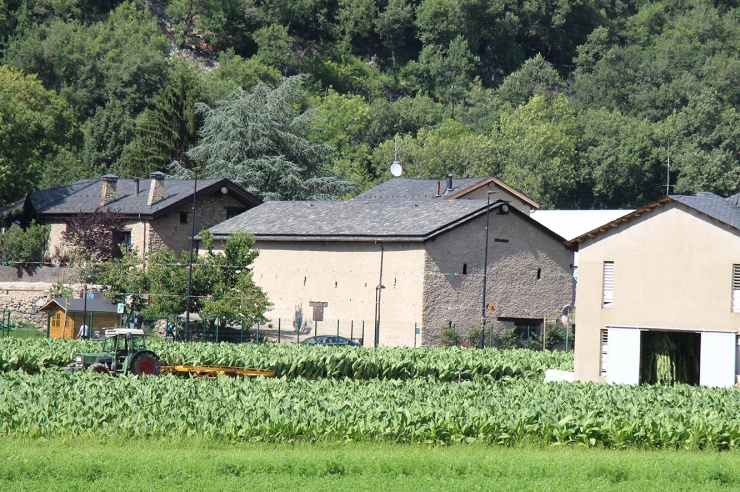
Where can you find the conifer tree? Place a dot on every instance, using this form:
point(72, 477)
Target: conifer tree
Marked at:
point(256, 139)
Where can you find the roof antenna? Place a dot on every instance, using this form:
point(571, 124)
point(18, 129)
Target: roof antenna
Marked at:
point(396, 169)
point(668, 170)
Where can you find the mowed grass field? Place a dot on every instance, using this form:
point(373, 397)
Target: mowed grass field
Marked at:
point(195, 465)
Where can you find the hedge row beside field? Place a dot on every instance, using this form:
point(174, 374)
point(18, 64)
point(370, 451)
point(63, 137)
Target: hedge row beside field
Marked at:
point(59, 404)
point(293, 361)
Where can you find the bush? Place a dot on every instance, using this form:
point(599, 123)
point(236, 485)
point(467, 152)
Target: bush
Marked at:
point(24, 245)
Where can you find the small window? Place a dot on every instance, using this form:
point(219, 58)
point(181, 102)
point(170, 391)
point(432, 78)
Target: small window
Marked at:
point(539, 273)
point(233, 212)
point(736, 288)
point(183, 217)
point(604, 350)
point(465, 268)
point(608, 284)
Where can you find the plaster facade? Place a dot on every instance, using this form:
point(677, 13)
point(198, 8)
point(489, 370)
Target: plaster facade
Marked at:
point(345, 275)
point(530, 275)
point(672, 269)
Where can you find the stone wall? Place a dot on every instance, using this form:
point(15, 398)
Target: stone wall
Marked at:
point(170, 232)
point(24, 306)
point(44, 274)
point(529, 275)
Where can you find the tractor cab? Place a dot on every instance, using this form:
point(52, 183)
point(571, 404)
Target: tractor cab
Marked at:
point(123, 351)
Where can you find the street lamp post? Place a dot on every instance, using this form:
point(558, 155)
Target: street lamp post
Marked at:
point(485, 276)
point(190, 264)
point(378, 292)
point(86, 333)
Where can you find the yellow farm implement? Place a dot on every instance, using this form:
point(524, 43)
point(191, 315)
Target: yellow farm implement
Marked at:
point(213, 371)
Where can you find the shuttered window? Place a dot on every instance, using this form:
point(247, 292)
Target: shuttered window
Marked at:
point(604, 350)
point(736, 288)
point(608, 284)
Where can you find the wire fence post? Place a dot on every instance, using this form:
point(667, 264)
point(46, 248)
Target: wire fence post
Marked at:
point(48, 323)
point(241, 331)
point(217, 325)
point(337, 330)
point(453, 334)
point(490, 336)
point(258, 331)
point(298, 329)
point(363, 333)
point(352, 329)
point(315, 328)
point(204, 329)
point(415, 331)
point(278, 330)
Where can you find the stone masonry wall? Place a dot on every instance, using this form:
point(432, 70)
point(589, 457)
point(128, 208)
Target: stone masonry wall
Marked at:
point(169, 232)
point(517, 251)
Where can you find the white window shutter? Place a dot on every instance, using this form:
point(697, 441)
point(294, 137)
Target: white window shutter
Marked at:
point(736, 288)
point(604, 351)
point(608, 284)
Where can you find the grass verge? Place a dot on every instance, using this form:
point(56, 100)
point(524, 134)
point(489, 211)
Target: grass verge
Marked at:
point(72, 465)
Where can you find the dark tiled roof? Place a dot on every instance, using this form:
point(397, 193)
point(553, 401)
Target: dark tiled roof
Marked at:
point(93, 305)
point(725, 210)
point(414, 189)
point(84, 196)
point(352, 220)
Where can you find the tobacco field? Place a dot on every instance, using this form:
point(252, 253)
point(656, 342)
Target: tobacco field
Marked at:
point(56, 404)
point(440, 363)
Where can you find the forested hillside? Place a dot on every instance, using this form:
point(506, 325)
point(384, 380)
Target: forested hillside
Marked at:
point(576, 102)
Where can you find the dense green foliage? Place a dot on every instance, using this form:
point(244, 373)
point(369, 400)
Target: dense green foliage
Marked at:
point(576, 103)
point(222, 284)
point(674, 417)
point(24, 245)
point(446, 364)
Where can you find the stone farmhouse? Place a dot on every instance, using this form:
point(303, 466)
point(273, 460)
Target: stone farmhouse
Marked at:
point(670, 272)
point(157, 212)
point(327, 260)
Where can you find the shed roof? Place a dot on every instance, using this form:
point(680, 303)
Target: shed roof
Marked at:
point(84, 196)
point(78, 305)
point(352, 220)
point(723, 210)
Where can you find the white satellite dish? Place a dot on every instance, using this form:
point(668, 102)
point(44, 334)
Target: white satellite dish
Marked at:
point(396, 169)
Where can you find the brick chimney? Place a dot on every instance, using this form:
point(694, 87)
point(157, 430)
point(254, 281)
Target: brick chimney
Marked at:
point(156, 189)
point(109, 189)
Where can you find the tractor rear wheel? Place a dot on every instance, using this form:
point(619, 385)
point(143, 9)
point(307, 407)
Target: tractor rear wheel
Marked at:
point(145, 364)
point(99, 368)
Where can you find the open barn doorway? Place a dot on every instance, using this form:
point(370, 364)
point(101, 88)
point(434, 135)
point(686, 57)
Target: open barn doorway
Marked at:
point(670, 357)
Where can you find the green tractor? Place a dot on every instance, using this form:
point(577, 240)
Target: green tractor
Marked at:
point(123, 352)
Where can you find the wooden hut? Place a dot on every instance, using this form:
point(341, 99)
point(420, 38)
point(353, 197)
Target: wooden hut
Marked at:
point(65, 321)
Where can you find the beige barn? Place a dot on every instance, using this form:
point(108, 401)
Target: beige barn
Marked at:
point(669, 271)
point(327, 259)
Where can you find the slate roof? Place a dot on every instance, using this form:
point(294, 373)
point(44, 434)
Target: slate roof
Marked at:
point(93, 305)
point(415, 189)
point(725, 210)
point(84, 196)
point(352, 220)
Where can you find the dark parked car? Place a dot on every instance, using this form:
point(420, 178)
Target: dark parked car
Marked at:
point(329, 340)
